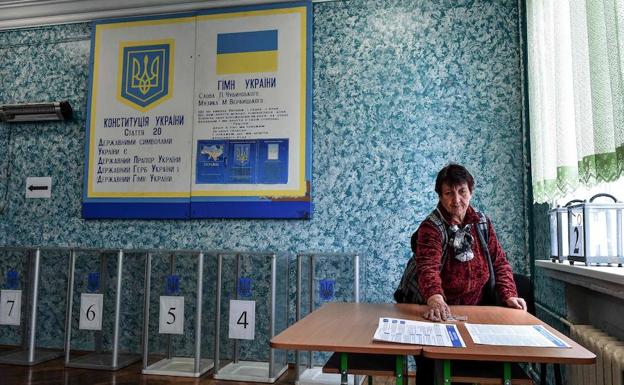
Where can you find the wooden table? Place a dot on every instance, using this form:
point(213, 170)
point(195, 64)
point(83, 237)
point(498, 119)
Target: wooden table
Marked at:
point(576, 354)
point(349, 328)
point(506, 316)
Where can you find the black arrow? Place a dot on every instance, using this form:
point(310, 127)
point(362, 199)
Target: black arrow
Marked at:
point(32, 188)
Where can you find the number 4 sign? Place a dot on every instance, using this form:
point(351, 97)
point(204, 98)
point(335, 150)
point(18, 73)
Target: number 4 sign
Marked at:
point(91, 311)
point(171, 320)
point(242, 320)
point(10, 307)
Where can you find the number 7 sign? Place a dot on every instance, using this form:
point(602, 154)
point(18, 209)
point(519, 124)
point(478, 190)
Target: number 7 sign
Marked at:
point(10, 307)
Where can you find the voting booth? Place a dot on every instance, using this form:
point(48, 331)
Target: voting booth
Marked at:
point(252, 306)
point(179, 313)
point(30, 279)
point(595, 232)
point(323, 278)
point(104, 314)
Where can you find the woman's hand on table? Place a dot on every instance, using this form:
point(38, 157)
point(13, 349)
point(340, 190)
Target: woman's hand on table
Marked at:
point(516, 303)
point(437, 309)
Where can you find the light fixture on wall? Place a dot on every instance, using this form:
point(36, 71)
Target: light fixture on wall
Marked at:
point(35, 112)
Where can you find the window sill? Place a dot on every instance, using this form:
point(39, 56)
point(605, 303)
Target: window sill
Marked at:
point(603, 279)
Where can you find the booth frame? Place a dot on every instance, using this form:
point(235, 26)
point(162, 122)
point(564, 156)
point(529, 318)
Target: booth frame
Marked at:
point(27, 354)
point(94, 360)
point(317, 372)
point(200, 366)
point(230, 369)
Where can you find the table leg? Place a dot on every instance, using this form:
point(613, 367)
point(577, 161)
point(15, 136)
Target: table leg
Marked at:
point(447, 372)
point(344, 379)
point(507, 373)
point(557, 370)
point(399, 370)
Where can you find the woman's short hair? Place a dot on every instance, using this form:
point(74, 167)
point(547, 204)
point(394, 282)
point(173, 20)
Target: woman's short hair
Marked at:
point(453, 175)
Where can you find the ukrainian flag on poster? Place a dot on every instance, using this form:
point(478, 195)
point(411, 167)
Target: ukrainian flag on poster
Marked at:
point(246, 52)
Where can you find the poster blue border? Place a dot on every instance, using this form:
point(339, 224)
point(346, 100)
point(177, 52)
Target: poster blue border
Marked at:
point(135, 210)
point(202, 207)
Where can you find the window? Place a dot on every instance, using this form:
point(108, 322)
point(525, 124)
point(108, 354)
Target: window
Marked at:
point(576, 96)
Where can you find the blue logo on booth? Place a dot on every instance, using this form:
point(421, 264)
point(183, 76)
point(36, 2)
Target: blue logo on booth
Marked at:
point(93, 282)
point(244, 287)
point(172, 285)
point(326, 289)
point(12, 280)
point(145, 75)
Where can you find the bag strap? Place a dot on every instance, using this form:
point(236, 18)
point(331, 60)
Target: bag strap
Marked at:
point(436, 218)
point(483, 231)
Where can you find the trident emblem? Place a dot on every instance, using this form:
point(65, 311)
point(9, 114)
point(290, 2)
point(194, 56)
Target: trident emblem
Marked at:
point(145, 77)
point(242, 154)
point(12, 279)
point(93, 282)
point(326, 289)
point(244, 287)
point(145, 80)
point(172, 285)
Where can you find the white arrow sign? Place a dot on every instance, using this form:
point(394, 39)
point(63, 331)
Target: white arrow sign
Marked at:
point(39, 187)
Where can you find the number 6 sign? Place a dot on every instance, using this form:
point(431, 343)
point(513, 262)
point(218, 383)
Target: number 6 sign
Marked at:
point(10, 307)
point(91, 311)
point(171, 320)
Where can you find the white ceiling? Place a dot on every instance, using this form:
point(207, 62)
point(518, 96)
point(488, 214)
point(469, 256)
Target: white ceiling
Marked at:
point(28, 13)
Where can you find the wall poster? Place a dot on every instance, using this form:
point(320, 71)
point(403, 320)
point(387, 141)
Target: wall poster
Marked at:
point(201, 115)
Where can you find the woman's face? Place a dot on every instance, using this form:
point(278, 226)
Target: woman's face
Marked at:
point(455, 200)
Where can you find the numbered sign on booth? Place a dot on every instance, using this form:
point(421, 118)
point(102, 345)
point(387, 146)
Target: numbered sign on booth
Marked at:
point(576, 235)
point(10, 307)
point(91, 311)
point(171, 320)
point(242, 320)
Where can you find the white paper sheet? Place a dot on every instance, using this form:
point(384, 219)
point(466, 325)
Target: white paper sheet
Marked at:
point(514, 335)
point(419, 333)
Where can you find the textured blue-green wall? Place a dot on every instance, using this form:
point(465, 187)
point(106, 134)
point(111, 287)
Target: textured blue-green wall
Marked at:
point(549, 293)
point(400, 89)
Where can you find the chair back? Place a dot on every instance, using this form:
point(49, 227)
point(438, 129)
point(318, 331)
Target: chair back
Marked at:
point(524, 287)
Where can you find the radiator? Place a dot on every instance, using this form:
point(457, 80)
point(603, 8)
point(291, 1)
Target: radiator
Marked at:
point(609, 352)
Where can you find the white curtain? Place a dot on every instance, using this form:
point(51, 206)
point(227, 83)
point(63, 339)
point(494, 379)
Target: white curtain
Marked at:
point(576, 94)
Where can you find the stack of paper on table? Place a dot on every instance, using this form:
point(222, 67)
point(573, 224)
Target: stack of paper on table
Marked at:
point(514, 335)
point(438, 334)
point(416, 332)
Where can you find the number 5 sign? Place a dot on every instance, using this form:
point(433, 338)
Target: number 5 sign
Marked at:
point(171, 320)
point(242, 320)
point(91, 311)
point(10, 307)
